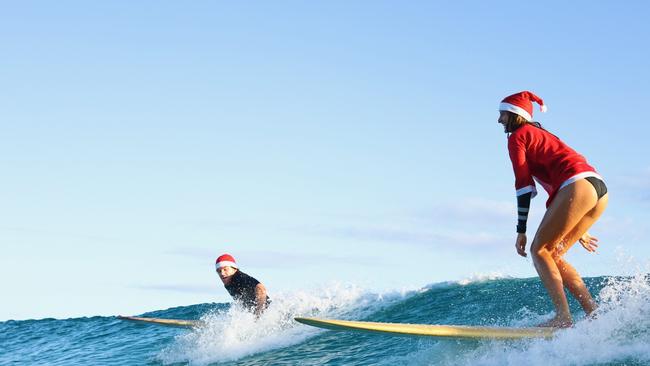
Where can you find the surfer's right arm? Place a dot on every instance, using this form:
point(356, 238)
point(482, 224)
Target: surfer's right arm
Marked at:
point(524, 185)
point(260, 299)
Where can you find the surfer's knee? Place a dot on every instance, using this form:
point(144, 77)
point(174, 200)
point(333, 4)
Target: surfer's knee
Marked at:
point(540, 256)
point(539, 250)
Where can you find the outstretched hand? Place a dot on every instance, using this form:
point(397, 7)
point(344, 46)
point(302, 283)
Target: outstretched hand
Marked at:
point(590, 243)
point(520, 244)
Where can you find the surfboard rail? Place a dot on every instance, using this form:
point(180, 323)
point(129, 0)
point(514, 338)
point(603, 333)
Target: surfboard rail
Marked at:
point(431, 330)
point(161, 321)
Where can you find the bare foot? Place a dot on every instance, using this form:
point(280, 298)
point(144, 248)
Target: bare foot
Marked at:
point(557, 323)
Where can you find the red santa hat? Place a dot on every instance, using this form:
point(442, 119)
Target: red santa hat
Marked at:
point(521, 104)
point(225, 260)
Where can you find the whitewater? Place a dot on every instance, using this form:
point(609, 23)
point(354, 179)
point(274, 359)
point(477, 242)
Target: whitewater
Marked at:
point(619, 335)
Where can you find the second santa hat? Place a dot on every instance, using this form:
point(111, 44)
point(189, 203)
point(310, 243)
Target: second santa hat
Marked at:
point(225, 260)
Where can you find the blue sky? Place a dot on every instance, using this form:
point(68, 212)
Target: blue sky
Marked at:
point(317, 142)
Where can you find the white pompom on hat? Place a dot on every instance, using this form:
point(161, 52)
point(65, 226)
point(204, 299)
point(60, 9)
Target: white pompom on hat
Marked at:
point(521, 104)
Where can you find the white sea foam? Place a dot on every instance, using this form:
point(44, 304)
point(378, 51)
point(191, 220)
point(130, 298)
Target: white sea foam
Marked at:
point(482, 277)
point(472, 278)
point(234, 334)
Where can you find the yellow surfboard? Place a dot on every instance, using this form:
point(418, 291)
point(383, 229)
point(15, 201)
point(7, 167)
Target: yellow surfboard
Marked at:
point(448, 331)
point(160, 321)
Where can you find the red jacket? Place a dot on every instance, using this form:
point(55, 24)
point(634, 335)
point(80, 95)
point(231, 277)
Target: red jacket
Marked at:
point(536, 153)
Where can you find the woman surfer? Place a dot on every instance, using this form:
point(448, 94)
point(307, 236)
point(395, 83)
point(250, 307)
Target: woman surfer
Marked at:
point(577, 198)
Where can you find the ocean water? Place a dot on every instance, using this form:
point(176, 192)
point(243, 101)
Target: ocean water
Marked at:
point(620, 334)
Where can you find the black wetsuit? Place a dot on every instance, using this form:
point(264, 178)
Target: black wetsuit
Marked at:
point(242, 290)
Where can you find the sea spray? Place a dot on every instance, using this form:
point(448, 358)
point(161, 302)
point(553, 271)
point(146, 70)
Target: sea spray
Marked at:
point(236, 333)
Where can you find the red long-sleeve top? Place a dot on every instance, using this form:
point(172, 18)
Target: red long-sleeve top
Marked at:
point(537, 154)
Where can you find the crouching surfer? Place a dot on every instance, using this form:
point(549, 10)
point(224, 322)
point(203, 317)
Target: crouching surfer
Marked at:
point(244, 289)
point(577, 198)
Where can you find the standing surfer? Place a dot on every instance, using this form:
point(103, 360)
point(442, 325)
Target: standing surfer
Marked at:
point(243, 288)
point(577, 198)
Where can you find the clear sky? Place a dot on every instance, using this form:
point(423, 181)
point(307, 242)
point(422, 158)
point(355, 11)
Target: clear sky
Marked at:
point(317, 142)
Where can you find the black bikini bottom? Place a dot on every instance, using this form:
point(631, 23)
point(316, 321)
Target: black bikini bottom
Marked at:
point(599, 185)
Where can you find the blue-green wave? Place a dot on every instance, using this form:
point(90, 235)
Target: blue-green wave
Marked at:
point(619, 335)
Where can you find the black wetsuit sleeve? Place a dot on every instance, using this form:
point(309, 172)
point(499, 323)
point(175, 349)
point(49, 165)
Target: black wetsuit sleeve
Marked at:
point(523, 205)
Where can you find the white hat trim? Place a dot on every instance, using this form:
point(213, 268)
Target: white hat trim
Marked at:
point(226, 264)
point(514, 109)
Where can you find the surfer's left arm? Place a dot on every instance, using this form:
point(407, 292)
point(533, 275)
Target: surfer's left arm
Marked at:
point(589, 242)
point(260, 299)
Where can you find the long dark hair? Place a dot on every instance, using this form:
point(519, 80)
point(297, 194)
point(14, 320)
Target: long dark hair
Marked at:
point(515, 121)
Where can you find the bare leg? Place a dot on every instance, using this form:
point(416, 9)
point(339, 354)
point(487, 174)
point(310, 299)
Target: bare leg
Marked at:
point(552, 280)
point(570, 277)
point(576, 286)
point(568, 208)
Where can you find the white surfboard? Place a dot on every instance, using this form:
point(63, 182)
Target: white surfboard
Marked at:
point(161, 321)
point(449, 331)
